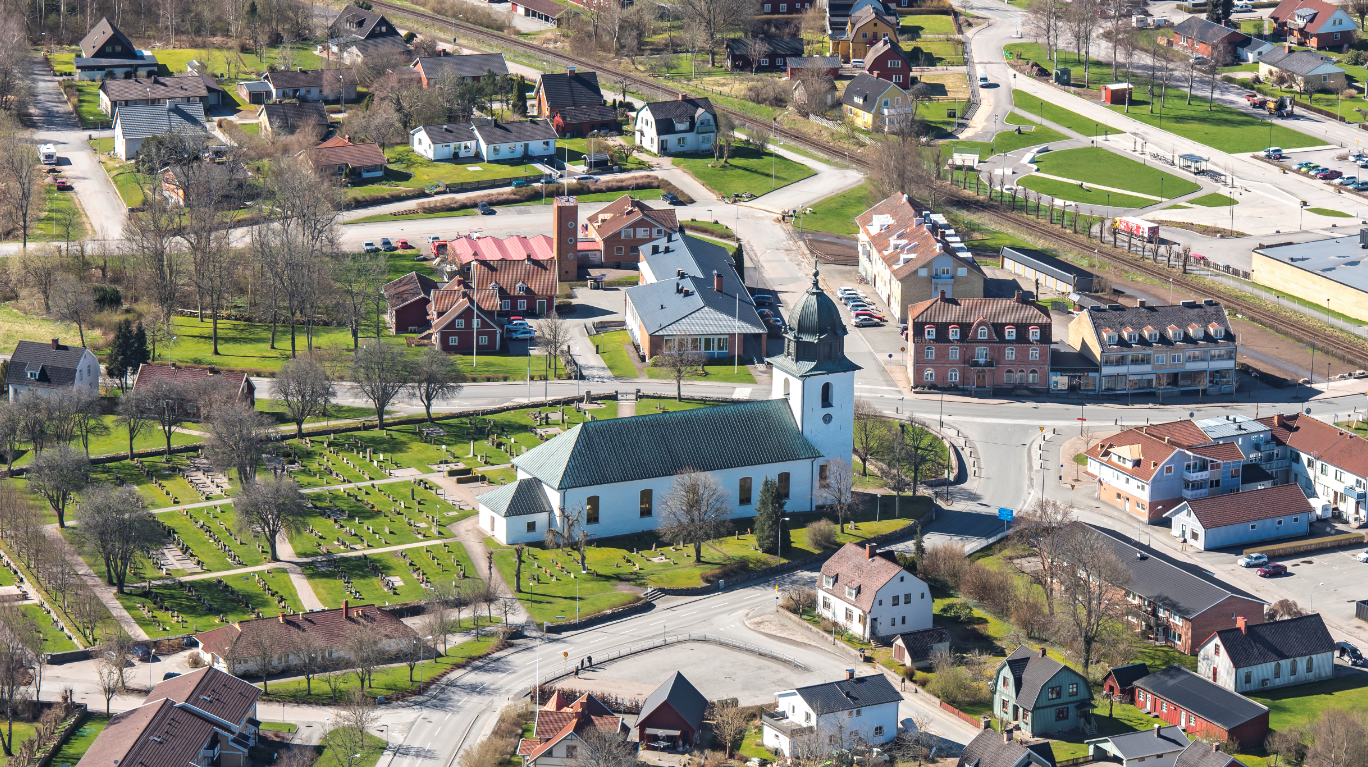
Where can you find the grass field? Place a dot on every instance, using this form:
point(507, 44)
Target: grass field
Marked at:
point(247, 344)
point(16, 326)
point(1214, 200)
point(220, 593)
point(408, 169)
point(1063, 190)
point(1051, 112)
point(1298, 706)
point(1329, 212)
point(50, 227)
point(1094, 165)
point(1220, 127)
point(1009, 141)
point(364, 574)
point(836, 214)
point(53, 638)
point(387, 680)
point(912, 27)
point(80, 741)
point(717, 370)
point(614, 354)
point(746, 171)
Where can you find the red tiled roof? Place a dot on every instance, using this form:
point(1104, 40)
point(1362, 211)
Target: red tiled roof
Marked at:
point(1337, 447)
point(852, 567)
point(339, 151)
point(330, 626)
point(1249, 506)
point(186, 377)
point(1152, 452)
point(539, 277)
point(625, 211)
point(407, 288)
point(1221, 451)
point(970, 310)
point(211, 691)
point(1324, 11)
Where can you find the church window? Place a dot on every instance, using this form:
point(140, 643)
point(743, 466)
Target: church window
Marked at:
point(591, 510)
point(786, 388)
point(783, 485)
point(647, 503)
point(826, 396)
point(743, 492)
point(822, 475)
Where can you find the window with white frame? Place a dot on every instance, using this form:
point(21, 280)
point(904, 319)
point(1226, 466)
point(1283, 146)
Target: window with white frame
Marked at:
point(1009, 334)
point(954, 333)
point(1035, 353)
point(1010, 352)
point(930, 331)
point(928, 374)
point(954, 375)
point(954, 352)
point(930, 352)
point(1035, 334)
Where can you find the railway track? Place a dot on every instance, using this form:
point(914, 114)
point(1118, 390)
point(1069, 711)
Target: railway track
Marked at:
point(1302, 332)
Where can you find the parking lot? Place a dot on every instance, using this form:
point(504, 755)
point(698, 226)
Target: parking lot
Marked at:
point(1339, 170)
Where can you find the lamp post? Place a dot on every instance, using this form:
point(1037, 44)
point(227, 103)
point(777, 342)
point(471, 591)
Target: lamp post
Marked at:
point(779, 540)
point(1313, 594)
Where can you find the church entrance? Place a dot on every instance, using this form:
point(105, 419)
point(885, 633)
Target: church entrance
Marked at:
point(980, 378)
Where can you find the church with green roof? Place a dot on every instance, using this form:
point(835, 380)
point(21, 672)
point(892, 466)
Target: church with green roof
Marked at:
point(617, 470)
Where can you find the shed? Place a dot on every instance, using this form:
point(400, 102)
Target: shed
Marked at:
point(1120, 681)
point(915, 648)
point(1116, 93)
point(1050, 272)
point(671, 716)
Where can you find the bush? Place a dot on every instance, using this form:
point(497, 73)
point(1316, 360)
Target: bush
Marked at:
point(821, 535)
point(107, 297)
point(958, 610)
point(943, 564)
point(771, 93)
point(409, 37)
point(1354, 57)
point(956, 687)
point(988, 586)
point(195, 660)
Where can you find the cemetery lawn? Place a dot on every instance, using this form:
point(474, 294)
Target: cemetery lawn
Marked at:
point(53, 638)
point(220, 520)
point(387, 680)
point(196, 617)
point(366, 571)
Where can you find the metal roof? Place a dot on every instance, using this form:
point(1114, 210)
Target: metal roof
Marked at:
point(1224, 708)
point(1338, 259)
point(599, 452)
point(1159, 741)
point(689, 306)
point(516, 499)
point(1229, 426)
point(141, 121)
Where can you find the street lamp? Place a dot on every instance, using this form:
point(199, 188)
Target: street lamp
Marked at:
point(779, 540)
point(1313, 594)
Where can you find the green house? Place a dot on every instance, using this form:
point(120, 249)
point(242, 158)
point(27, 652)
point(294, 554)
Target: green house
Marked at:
point(1040, 694)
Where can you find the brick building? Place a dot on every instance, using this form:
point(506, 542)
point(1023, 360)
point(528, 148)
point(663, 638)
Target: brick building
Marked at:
point(624, 225)
point(406, 302)
point(1314, 23)
point(979, 343)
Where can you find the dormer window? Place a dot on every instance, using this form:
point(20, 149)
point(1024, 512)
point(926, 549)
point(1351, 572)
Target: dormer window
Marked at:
point(1218, 331)
point(983, 332)
point(954, 332)
point(852, 591)
point(828, 581)
point(33, 375)
point(930, 332)
point(522, 288)
point(1174, 333)
point(1151, 335)
point(1010, 333)
point(1195, 331)
point(1111, 338)
point(1132, 336)
point(1035, 334)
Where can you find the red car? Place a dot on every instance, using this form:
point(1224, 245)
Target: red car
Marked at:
point(873, 315)
point(1271, 569)
point(403, 244)
point(1327, 174)
point(63, 186)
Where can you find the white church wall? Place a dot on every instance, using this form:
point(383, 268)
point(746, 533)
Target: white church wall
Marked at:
point(834, 439)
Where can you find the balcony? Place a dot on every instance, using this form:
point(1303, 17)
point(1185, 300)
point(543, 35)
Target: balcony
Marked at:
point(1195, 475)
point(777, 721)
point(1191, 493)
point(978, 363)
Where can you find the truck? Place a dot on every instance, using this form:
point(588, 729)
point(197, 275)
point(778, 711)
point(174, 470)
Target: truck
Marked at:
point(1282, 107)
point(1138, 227)
point(47, 154)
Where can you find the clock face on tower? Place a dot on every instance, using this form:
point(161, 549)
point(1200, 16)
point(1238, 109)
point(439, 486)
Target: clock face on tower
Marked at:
point(826, 418)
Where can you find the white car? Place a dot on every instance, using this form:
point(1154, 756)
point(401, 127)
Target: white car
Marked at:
point(1363, 556)
point(521, 334)
point(983, 80)
point(1252, 560)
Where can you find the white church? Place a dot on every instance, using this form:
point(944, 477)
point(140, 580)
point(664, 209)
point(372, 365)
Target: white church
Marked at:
point(618, 469)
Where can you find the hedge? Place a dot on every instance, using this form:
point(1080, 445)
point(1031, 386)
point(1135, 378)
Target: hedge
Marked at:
point(1276, 550)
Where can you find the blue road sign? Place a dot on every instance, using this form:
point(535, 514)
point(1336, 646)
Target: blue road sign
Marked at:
point(1005, 515)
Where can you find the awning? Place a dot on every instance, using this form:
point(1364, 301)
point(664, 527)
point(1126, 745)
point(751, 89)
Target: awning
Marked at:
point(653, 731)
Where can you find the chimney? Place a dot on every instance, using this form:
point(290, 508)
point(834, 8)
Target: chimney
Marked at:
point(679, 287)
point(1156, 730)
point(942, 295)
point(55, 344)
point(1006, 736)
point(850, 673)
point(683, 96)
point(570, 70)
point(345, 612)
point(870, 549)
point(1140, 303)
point(1240, 624)
point(282, 617)
point(679, 272)
point(1287, 48)
point(1018, 298)
point(1042, 652)
point(717, 282)
point(1215, 748)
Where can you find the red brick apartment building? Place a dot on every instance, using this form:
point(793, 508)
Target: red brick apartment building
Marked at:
point(980, 344)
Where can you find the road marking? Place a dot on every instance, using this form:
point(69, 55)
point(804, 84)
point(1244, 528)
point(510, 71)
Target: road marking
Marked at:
point(742, 393)
point(657, 623)
point(688, 613)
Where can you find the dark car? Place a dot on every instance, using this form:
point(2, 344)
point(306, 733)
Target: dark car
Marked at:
point(1272, 569)
point(485, 209)
point(763, 299)
point(1328, 174)
point(670, 198)
point(170, 675)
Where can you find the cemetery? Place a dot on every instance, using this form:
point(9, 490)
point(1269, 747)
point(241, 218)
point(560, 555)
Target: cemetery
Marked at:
point(172, 608)
point(391, 577)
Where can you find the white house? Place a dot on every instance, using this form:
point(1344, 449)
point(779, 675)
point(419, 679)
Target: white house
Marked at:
point(133, 124)
point(789, 438)
point(52, 368)
point(1236, 519)
point(1327, 462)
point(684, 126)
point(871, 596)
point(485, 138)
point(444, 141)
point(1247, 659)
point(834, 715)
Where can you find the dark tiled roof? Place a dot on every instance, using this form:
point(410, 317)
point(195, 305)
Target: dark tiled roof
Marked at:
point(470, 65)
point(304, 78)
point(564, 89)
point(1148, 743)
point(517, 499)
point(56, 367)
point(867, 87)
point(354, 20)
point(1126, 676)
point(143, 120)
point(919, 644)
point(815, 62)
point(682, 696)
point(1206, 699)
point(104, 32)
point(190, 86)
point(1031, 671)
point(449, 133)
point(591, 453)
point(1201, 754)
point(495, 132)
point(679, 109)
point(988, 749)
point(1249, 506)
point(854, 568)
point(1297, 62)
point(845, 694)
point(288, 118)
point(1160, 318)
point(1179, 587)
point(159, 734)
point(1046, 263)
point(769, 46)
point(81, 62)
point(594, 113)
point(1204, 31)
point(377, 45)
point(407, 288)
point(1276, 641)
point(211, 691)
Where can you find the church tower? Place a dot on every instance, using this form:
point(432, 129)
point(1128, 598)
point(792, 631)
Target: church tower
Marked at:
point(815, 377)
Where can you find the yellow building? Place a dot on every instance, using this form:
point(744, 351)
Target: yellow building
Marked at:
point(874, 104)
point(1331, 273)
point(863, 29)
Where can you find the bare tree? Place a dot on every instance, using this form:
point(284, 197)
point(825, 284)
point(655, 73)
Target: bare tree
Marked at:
point(730, 722)
point(604, 748)
point(359, 278)
point(306, 389)
point(1038, 527)
point(382, 373)
point(553, 335)
point(271, 506)
point(21, 175)
point(56, 475)
point(110, 679)
point(133, 418)
point(37, 273)
point(894, 468)
point(680, 362)
point(1358, 9)
point(436, 376)
point(710, 20)
point(161, 401)
point(871, 432)
point(1090, 581)
point(569, 533)
point(1284, 609)
point(311, 656)
point(346, 741)
point(237, 437)
point(114, 526)
point(73, 301)
point(1339, 738)
point(362, 648)
point(695, 510)
point(837, 490)
point(261, 648)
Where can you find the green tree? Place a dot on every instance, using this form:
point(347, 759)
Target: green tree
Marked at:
point(769, 531)
point(116, 364)
point(138, 352)
point(520, 98)
point(919, 545)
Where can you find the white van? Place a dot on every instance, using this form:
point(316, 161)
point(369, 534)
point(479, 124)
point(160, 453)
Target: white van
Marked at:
point(983, 80)
point(47, 154)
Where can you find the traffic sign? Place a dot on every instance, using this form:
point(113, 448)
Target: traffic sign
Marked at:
point(1005, 514)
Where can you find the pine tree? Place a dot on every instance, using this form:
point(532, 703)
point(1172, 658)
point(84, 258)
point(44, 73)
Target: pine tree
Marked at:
point(116, 364)
point(769, 513)
point(137, 351)
point(520, 98)
point(919, 546)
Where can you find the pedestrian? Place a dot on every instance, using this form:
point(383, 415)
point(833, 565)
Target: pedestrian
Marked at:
point(591, 661)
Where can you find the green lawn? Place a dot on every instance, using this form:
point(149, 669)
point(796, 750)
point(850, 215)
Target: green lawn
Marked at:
point(49, 227)
point(1008, 141)
point(53, 638)
point(920, 25)
point(611, 349)
point(1214, 200)
point(1094, 165)
point(247, 344)
point(275, 410)
point(408, 169)
point(220, 520)
point(697, 228)
point(1063, 190)
point(410, 216)
point(223, 600)
point(836, 214)
point(1300, 705)
point(719, 370)
point(387, 680)
point(80, 741)
point(1329, 212)
point(746, 171)
point(1040, 108)
point(1229, 130)
point(88, 105)
point(577, 148)
point(363, 575)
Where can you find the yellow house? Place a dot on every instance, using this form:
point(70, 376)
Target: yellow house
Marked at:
point(863, 29)
point(874, 104)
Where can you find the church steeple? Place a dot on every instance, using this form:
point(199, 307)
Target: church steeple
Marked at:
point(814, 343)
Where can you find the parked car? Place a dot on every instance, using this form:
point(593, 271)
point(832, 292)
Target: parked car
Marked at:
point(586, 177)
point(1363, 556)
point(521, 334)
point(670, 199)
point(983, 80)
point(485, 209)
point(1362, 163)
point(386, 245)
point(63, 185)
point(434, 238)
point(369, 247)
point(1301, 165)
point(1361, 186)
point(403, 244)
point(1347, 180)
point(763, 299)
point(517, 324)
point(519, 183)
point(170, 675)
point(1272, 569)
point(1346, 650)
point(1252, 560)
point(1327, 174)
point(871, 314)
point(865, 322)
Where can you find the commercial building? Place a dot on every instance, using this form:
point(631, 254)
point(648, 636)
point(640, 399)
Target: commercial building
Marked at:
point(981, 344)
point(1172, 347)
point(1329, 274)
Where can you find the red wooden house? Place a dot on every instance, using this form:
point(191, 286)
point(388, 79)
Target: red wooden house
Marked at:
point(1201, 707)
point(671, 717)
point(1120, 681)
point(406, 302)
point(574, 122)
point(887, 61)
point(829, 66)
point(456, 322)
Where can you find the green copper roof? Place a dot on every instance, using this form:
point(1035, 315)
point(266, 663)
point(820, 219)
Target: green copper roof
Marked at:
point(666, 444)
point(525, 496)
